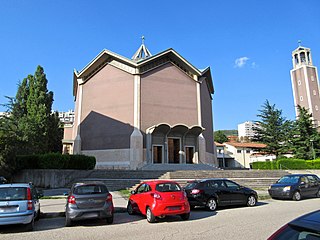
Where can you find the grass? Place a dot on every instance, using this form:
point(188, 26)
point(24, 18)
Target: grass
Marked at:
point(125, 193)
point(51, 197)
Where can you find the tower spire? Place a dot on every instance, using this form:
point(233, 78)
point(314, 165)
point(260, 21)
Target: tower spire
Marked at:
point(142, 52)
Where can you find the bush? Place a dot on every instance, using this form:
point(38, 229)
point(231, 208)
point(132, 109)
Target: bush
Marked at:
point(287, 163)
point(56, 161)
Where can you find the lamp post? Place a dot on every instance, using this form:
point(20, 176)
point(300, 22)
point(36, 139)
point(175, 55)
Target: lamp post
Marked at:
point(313, 153)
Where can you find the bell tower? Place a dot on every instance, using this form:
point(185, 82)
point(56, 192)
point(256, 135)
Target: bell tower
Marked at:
point(305, 85)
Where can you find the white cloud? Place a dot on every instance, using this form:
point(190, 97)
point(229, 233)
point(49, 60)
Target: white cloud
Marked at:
point(240, 62)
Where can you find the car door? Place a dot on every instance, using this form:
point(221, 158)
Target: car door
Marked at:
point(313, 184)
point(222, 192)
point(137, 198)
point(235, 192)
point(304, 186)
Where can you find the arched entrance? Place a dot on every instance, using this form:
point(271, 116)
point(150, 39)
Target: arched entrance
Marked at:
point(173, 144)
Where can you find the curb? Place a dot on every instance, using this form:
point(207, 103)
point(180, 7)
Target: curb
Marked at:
point(62, 214)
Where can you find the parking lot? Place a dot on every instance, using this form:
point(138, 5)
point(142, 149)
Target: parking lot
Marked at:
point(228, 223)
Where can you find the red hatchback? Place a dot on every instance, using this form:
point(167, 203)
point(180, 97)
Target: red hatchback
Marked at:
point(159, 198)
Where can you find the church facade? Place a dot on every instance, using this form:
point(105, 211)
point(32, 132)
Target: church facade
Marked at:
point(151, 109)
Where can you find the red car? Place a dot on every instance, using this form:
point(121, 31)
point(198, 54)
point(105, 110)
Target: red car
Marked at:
point(159, 198)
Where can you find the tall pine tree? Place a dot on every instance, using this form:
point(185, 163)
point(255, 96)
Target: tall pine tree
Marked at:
point(270, 130)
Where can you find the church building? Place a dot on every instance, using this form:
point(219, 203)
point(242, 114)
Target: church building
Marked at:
point(147, 110)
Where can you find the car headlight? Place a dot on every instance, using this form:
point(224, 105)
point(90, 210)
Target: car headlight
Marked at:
point(287, 188)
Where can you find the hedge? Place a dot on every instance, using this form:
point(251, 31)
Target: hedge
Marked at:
point(56, 161)
point(287, 163)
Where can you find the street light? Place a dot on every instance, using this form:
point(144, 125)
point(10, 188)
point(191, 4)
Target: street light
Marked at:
point(313, 153)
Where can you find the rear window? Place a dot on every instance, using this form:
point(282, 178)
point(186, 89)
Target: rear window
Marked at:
point(90, 189)
point(191, 185)
point(13, 194)
point(168, 187)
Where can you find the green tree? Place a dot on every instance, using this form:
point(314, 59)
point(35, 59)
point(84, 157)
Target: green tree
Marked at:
point(306, 140)
point(220, 137)
point(270, 129)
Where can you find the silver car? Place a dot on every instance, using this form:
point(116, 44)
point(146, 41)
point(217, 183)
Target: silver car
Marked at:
point(88, 201)
point(19, 204)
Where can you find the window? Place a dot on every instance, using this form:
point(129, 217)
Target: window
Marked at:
point(238, 151)
point(247, 151)
point(301, 98)
point(312, 78)
point(299, 82)
point(316, 107)
point(231, 185)
point(314, 92)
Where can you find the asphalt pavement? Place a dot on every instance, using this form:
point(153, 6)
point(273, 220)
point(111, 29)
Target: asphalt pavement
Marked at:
point(55, 206)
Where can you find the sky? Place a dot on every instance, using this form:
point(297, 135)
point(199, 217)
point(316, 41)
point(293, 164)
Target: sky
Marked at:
point(246, 43)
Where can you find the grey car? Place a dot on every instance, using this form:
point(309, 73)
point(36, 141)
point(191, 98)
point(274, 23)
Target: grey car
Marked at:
point(19, 204)
point(89, 200)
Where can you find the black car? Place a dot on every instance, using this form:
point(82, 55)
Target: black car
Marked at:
point(212, 193)
point(304, 227)
point(296, 186)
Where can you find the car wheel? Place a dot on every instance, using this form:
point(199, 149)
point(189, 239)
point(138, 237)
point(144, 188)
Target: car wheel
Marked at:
point(251, 201)
point(185, 216)
point(130, 209)
point(296, 196)
point(150, 217)
point(110, 219)
point(37, 215)
point(211, 204)
point(30, 226)
point(68, 222)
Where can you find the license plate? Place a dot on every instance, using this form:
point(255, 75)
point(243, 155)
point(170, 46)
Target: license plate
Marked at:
point(174, 208)
point(8, 209)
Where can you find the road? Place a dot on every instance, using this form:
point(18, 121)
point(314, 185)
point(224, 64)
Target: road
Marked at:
point(229, 223)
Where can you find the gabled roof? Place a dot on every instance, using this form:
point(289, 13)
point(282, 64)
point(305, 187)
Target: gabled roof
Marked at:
point(106, 56)
point(246, 145)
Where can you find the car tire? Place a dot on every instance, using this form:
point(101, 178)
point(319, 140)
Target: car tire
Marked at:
point(150, 217)
point(185, 216)
point(130, 209)
point(296, 196)
point(68, 222)
point(211, 204)
point(110, 220)
point(37, 215)
point(30, 225)
point(251, 201)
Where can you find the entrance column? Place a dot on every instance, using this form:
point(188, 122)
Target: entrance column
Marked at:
point(136, 138)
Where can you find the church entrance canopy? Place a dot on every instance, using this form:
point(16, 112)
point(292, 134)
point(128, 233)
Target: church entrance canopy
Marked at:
point(176, 144)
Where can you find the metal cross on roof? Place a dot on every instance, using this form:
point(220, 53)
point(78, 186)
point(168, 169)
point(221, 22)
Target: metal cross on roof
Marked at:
point(142, 52)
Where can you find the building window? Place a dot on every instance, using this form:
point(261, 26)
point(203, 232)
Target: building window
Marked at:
point(314, 92)
point(312, 78)
point(316, 107)
point(247, 151)
point(301, 98)
point(238, 151)
point(299, 82)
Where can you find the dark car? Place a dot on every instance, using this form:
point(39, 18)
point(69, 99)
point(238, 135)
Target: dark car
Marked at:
point(212, 193)
point(306, 227)
point(296, 186)
point(90, 200)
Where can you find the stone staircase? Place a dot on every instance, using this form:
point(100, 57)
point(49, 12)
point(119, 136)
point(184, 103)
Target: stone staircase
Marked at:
point(128, 179)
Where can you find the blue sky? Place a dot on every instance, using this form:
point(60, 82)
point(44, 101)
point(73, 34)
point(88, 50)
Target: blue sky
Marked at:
point(246, 43)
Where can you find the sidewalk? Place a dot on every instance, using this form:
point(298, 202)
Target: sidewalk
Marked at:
point(51, 208)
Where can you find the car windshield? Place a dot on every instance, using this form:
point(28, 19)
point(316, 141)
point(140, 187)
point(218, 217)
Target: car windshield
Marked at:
point(191, 185)
point(13, 194)
point(289, 179)
point(168, 187)
point(90, 189)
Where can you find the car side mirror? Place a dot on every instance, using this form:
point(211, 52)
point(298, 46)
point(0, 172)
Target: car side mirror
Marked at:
point(65, 194)
point(133, 192)
point(40, 193)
